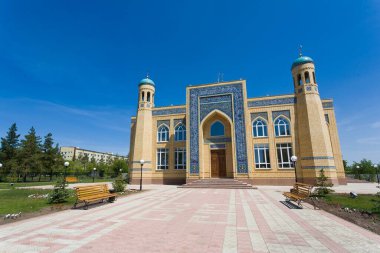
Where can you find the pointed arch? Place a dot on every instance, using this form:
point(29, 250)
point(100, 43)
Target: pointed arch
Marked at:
point(180, 132)
point(282, 126)
point(259, 127)
point(163, 133)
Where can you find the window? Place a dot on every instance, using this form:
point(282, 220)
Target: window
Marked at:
point(162, 159)
point(314, 78)
point(163, 133)
point(142, 96)
point(180, 133)
point(259, 128)
point(180, 158)
point(327, 118)
point(307, 77)
point(299, 79)
point(148, 96)
point(217, 129)
point(281, 127)
point(284, 153)
point(262, 159)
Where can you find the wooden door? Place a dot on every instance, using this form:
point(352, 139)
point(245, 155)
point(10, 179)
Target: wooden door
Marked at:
point(218, 163)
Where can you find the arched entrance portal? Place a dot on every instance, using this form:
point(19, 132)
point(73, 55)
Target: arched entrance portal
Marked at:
point(217, 148)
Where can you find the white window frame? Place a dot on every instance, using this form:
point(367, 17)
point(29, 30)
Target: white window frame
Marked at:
point(180, 132)
point(280, 159)
point(281, 122)
point(163, 133)
point(180, 164)
point(263, 126)
point(162, 154)
point(258, 163)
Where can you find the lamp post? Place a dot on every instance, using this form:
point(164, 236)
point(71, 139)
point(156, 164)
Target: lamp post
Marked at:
point(377, 175)
point(141, 164)
point(357, 171)
point(66, 164)
point(1, 165)
point(93, 175)
point(294, 160)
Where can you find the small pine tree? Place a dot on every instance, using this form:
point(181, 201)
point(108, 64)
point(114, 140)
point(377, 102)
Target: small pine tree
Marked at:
point(59, 194)
point(323, 186)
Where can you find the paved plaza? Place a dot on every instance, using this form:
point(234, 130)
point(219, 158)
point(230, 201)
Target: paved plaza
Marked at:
point(169, 219)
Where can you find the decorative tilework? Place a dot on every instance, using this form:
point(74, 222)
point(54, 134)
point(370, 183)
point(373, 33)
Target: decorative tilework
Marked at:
point(318, 158)
point(328, 104)
point(276, 101)
point(160, 122)
point(133, 120)
point(222, 103)
point(255, 115)
point(308, 88)
point(316, 88)
point(300, 90)
point(285, 113)
point(217, 140)
point(183, 121)
point(236, 90)
point(318, 167)
point(217, 146)
point(168, 111)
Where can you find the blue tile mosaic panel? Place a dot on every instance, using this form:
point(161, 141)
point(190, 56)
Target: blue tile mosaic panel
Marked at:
point(263, 115)
point(168, 111)
point(328, 104)
point(276, 101)
point(285, 113)
point(222, 91)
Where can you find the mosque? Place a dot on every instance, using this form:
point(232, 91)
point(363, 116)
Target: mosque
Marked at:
point(220, 133)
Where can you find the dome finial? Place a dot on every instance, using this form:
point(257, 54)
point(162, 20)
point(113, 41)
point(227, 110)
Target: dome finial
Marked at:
point(147, 74)
point(300, 51)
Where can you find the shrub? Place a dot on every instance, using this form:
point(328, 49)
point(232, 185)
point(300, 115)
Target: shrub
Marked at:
point(119, 184)
point(376, 209)
point(323, 186)
point(59, 194)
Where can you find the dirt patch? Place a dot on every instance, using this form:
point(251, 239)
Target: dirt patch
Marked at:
point(361, 218)
point(60, 207)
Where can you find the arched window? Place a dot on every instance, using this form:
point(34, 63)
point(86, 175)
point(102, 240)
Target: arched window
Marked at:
point(307, 77)
point(259, 128)
point(314, 78)
point(180, 133)
point(142, 96)
point(281, 127)
point(299, 79)
point(148, 96)
point(163, 133)
point(217, 129)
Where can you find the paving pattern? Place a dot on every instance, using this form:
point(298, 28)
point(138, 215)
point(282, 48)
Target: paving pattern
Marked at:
point(168, 219)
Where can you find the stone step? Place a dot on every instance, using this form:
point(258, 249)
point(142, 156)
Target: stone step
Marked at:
point(223, 183)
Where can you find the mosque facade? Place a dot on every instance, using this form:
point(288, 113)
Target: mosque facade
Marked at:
point(220, 133)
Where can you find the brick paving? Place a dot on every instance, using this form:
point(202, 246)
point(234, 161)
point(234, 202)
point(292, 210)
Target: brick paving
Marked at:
point(169, 219)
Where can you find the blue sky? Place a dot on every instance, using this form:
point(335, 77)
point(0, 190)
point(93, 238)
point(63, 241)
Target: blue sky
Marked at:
point(72, 67)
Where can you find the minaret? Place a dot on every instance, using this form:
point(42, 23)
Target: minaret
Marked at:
point(142, 136)
point(313, 142)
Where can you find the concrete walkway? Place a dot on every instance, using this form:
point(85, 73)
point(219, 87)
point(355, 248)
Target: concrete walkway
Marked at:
point(169, 219)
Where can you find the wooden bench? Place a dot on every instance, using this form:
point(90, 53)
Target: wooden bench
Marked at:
point(92, 193)
point(298, 193)
point(71, 179)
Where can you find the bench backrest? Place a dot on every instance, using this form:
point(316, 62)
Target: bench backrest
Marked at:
point(71, 179)
point(302, 189)
point(84, 192)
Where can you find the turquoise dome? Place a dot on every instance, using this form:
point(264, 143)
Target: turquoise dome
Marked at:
point(301, 60)
point(146, 81)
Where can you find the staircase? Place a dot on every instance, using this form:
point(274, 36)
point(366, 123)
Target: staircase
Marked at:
point(218, 183)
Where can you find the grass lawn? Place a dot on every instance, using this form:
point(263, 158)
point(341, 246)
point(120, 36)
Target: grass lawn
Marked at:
point(364, 202)
point(16, 200)
point(26, 184)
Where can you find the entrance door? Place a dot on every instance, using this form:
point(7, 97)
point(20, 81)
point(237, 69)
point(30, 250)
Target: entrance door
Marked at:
point(218, 163)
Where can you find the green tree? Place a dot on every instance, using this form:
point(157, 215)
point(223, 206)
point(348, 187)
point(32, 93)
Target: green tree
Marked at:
point(8, 150)
point(51, 159)
point(323, 185)
point(117, 165)
point(30, 154)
